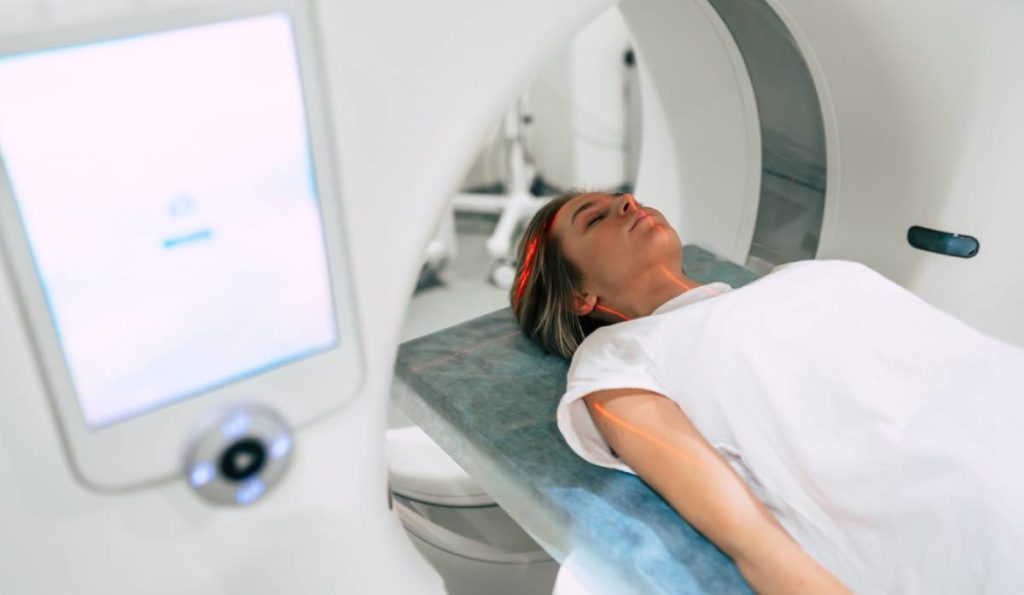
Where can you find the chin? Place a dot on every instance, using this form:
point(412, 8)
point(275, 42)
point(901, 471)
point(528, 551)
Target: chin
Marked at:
point(664, 235)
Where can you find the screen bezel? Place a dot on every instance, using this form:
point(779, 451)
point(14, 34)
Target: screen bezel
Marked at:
point(148, 447)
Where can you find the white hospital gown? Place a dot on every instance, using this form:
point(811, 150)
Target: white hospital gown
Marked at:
point(884, 434)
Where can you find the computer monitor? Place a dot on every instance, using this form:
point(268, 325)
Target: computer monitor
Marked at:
point(174, 230)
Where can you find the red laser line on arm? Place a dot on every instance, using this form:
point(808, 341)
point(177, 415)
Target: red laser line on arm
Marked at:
point(668, 447)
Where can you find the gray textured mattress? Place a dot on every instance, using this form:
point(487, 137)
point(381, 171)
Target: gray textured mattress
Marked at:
point(487, 395)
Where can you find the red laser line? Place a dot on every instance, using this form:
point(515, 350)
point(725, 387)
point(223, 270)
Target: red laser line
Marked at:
point(673, 278)
point(668, 273)
point(667, 446)
point(457, 354)
point(528, 261)
point(610, 311)
point(524, 276)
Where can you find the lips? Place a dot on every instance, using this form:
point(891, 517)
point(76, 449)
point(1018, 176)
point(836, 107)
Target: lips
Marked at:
point(640, 217)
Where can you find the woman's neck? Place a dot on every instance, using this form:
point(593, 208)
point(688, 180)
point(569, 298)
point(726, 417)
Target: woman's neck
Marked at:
point(648, 295)
point(669, 286)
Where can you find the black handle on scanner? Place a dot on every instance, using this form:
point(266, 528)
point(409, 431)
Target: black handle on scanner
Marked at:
point(943, 242)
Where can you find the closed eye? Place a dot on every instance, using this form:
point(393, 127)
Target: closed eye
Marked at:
point(594, 220)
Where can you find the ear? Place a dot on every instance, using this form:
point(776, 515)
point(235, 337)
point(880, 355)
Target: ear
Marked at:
point(583, 303)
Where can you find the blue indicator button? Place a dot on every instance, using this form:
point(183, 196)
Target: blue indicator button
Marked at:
point(202, 473)
point(235, 426)
point(280, 447)
point(250, 492)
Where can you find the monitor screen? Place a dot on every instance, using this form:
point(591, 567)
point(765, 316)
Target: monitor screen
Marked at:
point(165, 185)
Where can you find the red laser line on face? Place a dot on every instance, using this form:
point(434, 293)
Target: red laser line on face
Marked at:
point(458, 354)
point(665, 445)
point(632, 200)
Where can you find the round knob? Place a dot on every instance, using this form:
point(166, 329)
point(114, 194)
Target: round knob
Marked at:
point(238, 457)
point(243, 459)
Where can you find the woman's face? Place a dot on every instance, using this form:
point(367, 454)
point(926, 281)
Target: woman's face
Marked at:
point(613, 241)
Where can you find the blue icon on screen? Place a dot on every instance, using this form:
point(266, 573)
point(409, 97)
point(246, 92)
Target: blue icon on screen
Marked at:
point(181, 205)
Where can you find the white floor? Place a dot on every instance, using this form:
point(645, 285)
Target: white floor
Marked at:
point(464, 293)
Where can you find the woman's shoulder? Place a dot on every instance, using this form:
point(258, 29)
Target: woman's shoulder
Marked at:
point(613, 356)
point(618, 333)
point(615, 340)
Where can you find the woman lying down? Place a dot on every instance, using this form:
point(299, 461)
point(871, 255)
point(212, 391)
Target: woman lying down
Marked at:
point(824, 427)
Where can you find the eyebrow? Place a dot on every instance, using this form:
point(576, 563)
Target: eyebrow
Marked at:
point(580, 209)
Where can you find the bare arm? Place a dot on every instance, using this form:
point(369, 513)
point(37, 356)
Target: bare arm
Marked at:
point(656, 439)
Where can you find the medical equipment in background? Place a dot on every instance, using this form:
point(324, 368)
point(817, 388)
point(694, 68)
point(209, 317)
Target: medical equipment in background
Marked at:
point(180, 317)
point(440, 252)
point(516, 202)
point(880, 117)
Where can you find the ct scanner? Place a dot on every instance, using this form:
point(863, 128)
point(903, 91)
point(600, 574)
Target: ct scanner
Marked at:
point(142, 452)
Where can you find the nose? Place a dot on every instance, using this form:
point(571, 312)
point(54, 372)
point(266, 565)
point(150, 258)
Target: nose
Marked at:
point(626, 204)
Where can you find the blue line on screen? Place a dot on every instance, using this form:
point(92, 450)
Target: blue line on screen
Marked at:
point(203, 234)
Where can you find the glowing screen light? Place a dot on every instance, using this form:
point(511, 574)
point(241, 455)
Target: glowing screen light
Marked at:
point(165, 185)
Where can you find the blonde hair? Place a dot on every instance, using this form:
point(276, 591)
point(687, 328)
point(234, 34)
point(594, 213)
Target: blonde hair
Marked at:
point(545, 284)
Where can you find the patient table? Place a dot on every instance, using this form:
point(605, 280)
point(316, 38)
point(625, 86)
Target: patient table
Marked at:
point(487, 396)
